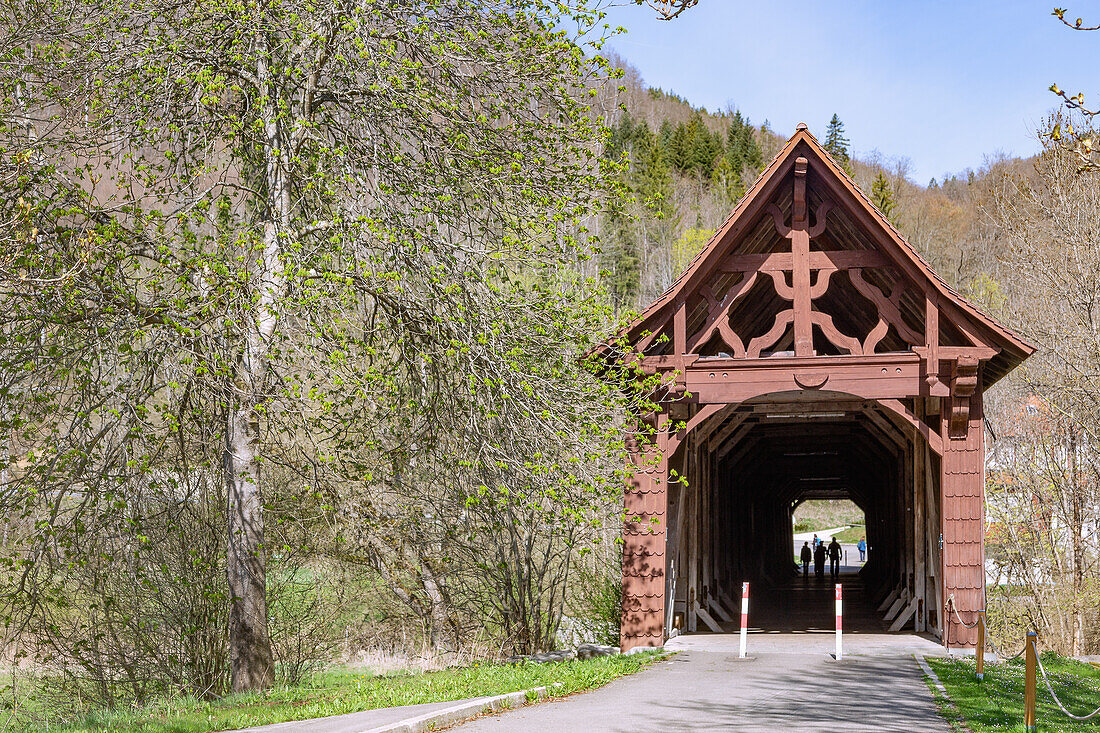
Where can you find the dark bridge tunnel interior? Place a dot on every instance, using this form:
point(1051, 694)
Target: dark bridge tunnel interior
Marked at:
point(752, 465)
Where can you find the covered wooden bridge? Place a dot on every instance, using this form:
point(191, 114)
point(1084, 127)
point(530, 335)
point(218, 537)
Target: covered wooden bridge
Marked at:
point(809, 352)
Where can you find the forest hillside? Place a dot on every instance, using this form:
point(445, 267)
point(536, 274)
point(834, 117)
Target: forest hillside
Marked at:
point(685, 167)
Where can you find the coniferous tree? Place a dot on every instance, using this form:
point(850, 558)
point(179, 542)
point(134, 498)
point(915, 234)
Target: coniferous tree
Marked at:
point(620, 136)
point(883, 196)
point(678, 148)
point(651, 178)
point(742, 151)
point(619, 256)
point(734, 142)
point(700, 149)
point(750, 150)
point(836, 143)
point(665, 136)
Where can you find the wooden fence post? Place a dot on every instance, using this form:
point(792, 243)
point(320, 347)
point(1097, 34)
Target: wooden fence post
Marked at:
point(1030, 660)
point(981, 644)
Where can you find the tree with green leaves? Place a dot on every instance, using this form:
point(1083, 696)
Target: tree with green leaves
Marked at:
point(1076, 132)
point(836, 143)
point(882, 195)
point(325, 240)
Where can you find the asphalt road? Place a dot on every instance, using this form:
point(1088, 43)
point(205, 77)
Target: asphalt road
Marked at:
point(714, 691)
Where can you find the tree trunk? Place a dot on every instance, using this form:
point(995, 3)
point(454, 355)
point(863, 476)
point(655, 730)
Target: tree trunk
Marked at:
point(1078, 529)
point(250, 656)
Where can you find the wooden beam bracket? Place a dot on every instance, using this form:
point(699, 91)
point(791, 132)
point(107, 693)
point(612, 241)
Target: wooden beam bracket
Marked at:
point(964, 383)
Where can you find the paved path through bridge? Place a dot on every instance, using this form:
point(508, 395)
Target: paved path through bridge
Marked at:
point(791, 682)
point(701, 690)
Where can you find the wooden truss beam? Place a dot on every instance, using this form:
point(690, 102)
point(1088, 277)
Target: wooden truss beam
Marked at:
point(873, 376)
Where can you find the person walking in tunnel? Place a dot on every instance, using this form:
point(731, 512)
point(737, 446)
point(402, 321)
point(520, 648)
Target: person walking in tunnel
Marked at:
point(834, 559)
point(862, 547)
point(819, 561)
point(806, 557)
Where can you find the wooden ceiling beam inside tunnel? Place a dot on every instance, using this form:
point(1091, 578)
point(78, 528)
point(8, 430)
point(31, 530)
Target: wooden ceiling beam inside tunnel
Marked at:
point(793, 421)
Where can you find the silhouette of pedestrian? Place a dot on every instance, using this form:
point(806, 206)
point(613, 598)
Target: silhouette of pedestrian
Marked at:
point(834, 559)
point(807, 555)
point(862, 547)
point(819, 561)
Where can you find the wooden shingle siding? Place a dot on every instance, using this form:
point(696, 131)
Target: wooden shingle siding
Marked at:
point(963, 486)
point(645, 502)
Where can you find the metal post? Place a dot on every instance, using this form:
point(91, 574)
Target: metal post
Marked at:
point(981, 644)
point(839, 625)
point(1030, 658)
point(744, 618)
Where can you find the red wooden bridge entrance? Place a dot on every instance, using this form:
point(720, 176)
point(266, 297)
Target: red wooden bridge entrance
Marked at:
point(809, 352)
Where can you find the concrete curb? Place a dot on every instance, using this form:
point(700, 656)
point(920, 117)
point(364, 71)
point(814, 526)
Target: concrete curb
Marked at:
point(931, 673)
point(460, 713)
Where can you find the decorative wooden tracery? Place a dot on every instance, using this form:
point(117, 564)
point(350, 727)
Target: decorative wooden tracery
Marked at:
point(907, 344)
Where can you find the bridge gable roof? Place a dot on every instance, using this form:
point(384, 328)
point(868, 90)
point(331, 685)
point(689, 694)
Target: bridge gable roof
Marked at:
point(726, 301)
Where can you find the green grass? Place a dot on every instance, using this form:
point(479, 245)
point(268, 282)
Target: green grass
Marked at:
point(347, 691)
point(997, 703)
point(825, 513)
point(851, 536)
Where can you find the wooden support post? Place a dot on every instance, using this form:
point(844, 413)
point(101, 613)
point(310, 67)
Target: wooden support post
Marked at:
point(725, 604)
point(898, 605)
point(917, 489)
point(906, 613)
point(693, 540)
point(800, 269)
point(720, 612)
point(889, 599)
point(981, 645)
point(934, 597)
point(1030, 663)
point(706, 618)
point(676, 518)
point(935, 527)
point(707, 566)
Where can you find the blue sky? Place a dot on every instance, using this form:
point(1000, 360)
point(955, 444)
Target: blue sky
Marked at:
point(943, 83)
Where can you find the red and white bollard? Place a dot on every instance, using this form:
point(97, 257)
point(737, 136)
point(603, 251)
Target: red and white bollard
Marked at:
point(744, 617)
point(838, 622)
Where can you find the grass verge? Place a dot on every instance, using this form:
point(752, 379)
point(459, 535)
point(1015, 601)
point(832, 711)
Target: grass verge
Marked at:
point(852, 535)
point(348, 691)
point(997, 703)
